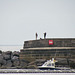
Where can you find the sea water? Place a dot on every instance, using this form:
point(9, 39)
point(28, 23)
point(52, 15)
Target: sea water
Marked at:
point(10, 48)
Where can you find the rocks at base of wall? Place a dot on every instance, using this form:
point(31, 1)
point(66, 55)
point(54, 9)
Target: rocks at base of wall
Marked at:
point(1, 59)
point(14, 58)
point(15, 53)
point(8, 63)
point(23, 63)
point(0, 52)
point(7, 55)
point(8, 52)
point(9, 59)
point(4, 62)
point(16, 63)
point(32, 67)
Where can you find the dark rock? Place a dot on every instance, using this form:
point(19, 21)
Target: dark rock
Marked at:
point(8, 63)
point(1, 59)
point(15, 53)
point(8, 52)
point(23, 64)
point(32, 67)
point(14, 58)
point(11, 56)
point(0, 52)
point(16, 63)
point(4, 62)
point(1, 56)
point(0, 65)
point(7, 57)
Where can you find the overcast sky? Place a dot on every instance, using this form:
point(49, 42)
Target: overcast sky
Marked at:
point(21, 19)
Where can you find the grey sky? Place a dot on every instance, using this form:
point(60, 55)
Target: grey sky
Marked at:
point(21, 19)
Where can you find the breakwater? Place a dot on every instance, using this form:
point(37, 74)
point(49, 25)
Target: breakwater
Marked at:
point(9, 59)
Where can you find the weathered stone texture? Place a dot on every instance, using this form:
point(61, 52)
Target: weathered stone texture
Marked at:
point(9, 59)
point(63, 48)
point(57, 42)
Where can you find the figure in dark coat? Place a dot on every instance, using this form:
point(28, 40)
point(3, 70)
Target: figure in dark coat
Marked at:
point(44, 35)
point(36, 35)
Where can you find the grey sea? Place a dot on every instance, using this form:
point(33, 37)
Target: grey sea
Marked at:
point(10, 48)
point(17, 48)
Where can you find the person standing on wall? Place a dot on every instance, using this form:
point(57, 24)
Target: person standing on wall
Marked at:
point(36, 35)
point(45, 35)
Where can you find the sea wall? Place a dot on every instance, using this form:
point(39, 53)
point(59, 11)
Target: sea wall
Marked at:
point(57, 42)
point(62, 49)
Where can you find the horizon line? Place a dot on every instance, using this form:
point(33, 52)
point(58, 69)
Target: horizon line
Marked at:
point(10, 45)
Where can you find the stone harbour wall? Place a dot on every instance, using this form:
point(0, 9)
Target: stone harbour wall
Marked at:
point(62, 49)
point(57, 42)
